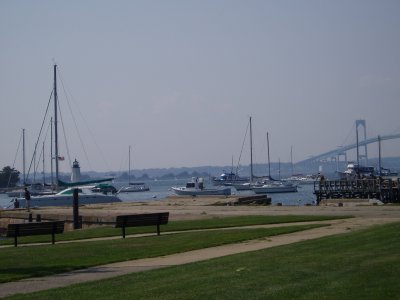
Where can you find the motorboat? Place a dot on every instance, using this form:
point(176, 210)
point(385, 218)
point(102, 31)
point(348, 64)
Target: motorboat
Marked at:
point(196, 188)
point(387, 173)
point(104, 188)
point(229, 179)
point(65, 198)
point(355, 171)
point(275, 187)
point(134, 187)
point(303, 179)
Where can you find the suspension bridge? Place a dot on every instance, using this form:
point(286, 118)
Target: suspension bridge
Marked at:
point(342, 151)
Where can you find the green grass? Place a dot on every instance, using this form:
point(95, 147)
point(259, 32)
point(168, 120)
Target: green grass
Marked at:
point(212, 223)
point(357, 265)
point(23, 262)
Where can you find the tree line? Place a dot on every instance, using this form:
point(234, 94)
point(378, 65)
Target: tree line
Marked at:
point(9, 177)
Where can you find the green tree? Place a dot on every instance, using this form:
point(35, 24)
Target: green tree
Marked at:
point(8, 177)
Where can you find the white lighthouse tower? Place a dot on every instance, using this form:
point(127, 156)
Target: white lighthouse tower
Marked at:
point(76, 172)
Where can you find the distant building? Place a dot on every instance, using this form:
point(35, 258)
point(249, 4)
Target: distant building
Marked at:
point(76, 172)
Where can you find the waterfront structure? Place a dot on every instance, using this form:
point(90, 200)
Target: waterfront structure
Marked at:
point(386, 190)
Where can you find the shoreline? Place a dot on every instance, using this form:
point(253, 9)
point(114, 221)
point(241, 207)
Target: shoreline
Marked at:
point(190, 208)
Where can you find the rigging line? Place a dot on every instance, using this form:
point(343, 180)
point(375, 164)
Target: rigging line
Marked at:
point(15, 158)
point(241, 151)
point(40, 133)
point(41, 151)
point(123, 162)
point(86, 124)
point(65, 136)
point(75, 124)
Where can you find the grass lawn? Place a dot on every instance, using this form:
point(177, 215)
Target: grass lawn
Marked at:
point(357, 265)
point(31, 261)
point(172, 226)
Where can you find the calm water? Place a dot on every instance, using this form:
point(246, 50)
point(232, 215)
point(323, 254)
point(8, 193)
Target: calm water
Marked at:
point(162, 189)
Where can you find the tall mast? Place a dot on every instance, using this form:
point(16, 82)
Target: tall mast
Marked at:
point(251, 153)
point(51, 151)
point(23, 155)
point(269, 165)
point(279, 169)
point(44, 179)
point(379, 155)
point(34, 164)
point(129, 172)
point(291, 158)
point(55, 123)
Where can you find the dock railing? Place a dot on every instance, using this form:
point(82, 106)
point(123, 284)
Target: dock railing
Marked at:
point(386, 190)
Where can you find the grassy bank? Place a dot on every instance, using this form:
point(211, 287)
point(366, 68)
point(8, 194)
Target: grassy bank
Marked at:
point(213, 223)
point(24, 262)
point(357, 265)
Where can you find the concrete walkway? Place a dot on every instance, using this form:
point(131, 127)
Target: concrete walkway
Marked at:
point(123, 268)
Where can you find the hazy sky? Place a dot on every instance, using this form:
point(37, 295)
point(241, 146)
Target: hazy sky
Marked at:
point(178, 80)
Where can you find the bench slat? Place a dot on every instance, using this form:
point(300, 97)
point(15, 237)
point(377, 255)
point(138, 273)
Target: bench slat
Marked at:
point(40, 228)
point(141, 220)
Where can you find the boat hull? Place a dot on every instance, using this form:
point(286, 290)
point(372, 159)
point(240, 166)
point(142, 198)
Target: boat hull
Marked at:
point(243, 187)
point(274, 189)
point(201, 192)
point(130, 189)
point(67, 200)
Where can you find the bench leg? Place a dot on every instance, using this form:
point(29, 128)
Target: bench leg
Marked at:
point(53, 239)
point(123, 231)
point(158, 229)
point(15, 241)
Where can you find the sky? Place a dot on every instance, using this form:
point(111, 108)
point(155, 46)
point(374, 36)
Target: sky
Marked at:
point(178, 80)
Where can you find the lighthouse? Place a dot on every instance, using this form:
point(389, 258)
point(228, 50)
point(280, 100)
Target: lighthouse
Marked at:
point(76, 172)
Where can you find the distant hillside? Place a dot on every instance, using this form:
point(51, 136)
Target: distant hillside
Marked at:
point(277, 170)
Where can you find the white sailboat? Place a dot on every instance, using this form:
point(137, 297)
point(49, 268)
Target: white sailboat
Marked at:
point(64, 197)
point(271, 185)
point(246, 186)
point(133, 186)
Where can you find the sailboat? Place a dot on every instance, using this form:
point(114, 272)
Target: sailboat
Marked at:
point(65, 197)
point(35, 188)
point(133, 186)
point(272, 185)
point(246, 186)
point(300, 179)
point(255, 181)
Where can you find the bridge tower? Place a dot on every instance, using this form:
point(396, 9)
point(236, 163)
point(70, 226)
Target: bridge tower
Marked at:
point(362, 123)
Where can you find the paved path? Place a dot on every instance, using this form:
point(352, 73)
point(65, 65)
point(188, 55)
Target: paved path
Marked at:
point(123, 268)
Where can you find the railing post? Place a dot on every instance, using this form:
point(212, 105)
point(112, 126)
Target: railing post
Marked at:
point(76, 209)
point(123, 227)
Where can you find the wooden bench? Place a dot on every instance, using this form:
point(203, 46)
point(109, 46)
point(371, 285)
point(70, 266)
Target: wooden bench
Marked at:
point(37, 228)
point(142, 220)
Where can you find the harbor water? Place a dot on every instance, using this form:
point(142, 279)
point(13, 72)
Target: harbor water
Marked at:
point(161, 189)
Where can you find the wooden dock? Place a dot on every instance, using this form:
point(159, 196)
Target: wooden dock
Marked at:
point(386, 190)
